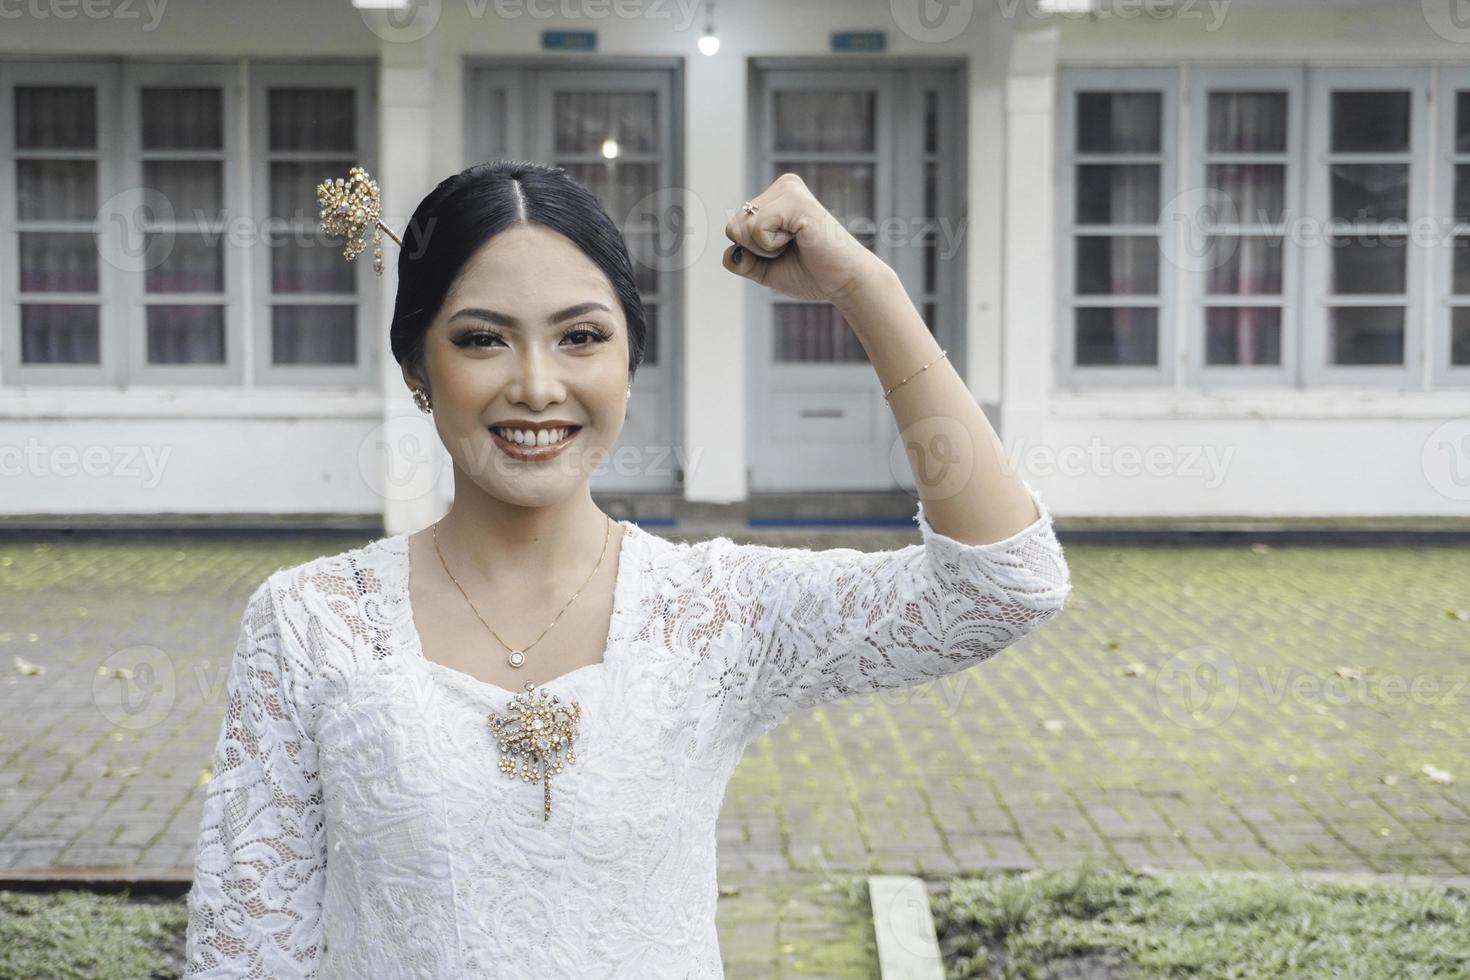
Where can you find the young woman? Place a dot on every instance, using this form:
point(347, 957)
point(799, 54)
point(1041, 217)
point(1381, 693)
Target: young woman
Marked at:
point(498, 746)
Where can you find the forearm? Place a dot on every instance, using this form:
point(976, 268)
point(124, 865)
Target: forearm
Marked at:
point(976, 497)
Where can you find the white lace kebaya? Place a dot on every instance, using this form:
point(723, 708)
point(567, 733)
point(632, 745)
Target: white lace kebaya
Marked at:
point(357, 826)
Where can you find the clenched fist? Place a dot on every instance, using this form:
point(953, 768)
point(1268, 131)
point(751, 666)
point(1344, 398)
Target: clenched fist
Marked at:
point(796, 247)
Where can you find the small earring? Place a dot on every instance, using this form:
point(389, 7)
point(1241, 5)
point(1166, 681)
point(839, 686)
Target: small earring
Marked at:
point(421, 399)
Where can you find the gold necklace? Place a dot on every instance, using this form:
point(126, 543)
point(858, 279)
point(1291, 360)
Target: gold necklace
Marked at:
point(536, 738)
point(517, 658)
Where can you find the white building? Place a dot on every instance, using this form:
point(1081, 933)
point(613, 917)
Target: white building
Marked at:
point(1193, 258)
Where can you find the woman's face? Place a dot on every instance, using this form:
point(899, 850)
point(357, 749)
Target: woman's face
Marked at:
point(531, 332)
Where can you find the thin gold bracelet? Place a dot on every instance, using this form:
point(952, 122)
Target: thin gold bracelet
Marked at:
point(942, 355)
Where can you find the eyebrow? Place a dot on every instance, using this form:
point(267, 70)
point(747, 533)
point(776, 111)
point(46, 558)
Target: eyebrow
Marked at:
point(506, 320)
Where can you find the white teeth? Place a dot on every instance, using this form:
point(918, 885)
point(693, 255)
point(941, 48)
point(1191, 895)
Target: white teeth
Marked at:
point(542, 437)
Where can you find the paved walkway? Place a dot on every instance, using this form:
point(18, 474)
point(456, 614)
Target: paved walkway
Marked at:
point(1223, 708)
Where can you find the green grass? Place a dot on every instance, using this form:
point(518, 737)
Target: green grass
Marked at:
point(78, 935)
point(1114, 923)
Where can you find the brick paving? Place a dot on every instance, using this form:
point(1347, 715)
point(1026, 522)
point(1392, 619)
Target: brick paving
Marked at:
point(1221, 708)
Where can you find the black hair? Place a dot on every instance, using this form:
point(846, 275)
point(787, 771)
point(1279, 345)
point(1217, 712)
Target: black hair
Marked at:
point(468, 209)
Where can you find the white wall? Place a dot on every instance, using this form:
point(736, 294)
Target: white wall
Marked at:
point(1266, 452)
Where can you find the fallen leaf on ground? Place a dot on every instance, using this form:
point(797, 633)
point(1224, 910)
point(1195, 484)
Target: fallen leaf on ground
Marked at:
point(26, 667)
point(1436, 774)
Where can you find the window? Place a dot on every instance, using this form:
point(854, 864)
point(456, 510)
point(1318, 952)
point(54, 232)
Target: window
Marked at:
point(1450, 338)
point(1289, 250)
point(309, 124)
point(133, 240)
point(1116, 166)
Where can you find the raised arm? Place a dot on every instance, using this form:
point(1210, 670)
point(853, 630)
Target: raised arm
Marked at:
point(260, 870)
point(824, 625)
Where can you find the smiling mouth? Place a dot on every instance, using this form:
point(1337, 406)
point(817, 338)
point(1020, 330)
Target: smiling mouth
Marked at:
point(530, 451)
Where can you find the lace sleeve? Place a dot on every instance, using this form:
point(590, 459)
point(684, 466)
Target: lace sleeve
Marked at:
point(260, 869)
point(840, 622)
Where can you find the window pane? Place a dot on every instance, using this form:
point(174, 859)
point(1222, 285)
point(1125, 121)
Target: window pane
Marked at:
point(1243, 335)
point(58, 262)
point(619, 186)
point(1368, 265)
point(650, 251)
point(57, 334)
point(182, 119)
point(1257, 191)
point(1370, 122)
point(314, 334)
point(191, 264)
point(293, 187)
point(1119, 122)
point(1460, 337)
point(650, 340)
point(1122, 264)
point(1462, 194)
point(845, 189)
point(311, 266)
point(1461, 278)
point(186, 335)
point(811, 333)
point(1118, 336)
point(931, 121)
point(56, 190)
point(1368, 335)
point(1244, 265)
point(1247, 122)
point(825, 122)
point(583, 120)
point(1462, 122)
point(195, 189)
point(313, 119)
point(1117, 193)
point(1370, 191)
point(55, 118)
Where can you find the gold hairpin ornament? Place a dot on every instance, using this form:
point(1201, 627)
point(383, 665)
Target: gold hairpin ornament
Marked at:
point(348, 208)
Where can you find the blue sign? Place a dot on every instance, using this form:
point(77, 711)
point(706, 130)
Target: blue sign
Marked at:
point(859, 40)
point(569, 40)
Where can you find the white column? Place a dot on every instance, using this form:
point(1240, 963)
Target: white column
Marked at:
point(1030, 254)
point(714, 383)
point(416, 480)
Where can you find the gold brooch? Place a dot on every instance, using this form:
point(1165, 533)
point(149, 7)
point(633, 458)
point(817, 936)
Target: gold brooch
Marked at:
point(349, 208)
point(537, 737)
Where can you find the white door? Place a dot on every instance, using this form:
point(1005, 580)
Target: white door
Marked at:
point(879, 149)
point(612, 130)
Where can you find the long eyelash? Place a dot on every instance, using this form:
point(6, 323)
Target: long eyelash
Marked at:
point(465, 339)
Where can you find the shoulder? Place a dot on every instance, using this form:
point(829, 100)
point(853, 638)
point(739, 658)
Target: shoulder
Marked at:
point(362, 569)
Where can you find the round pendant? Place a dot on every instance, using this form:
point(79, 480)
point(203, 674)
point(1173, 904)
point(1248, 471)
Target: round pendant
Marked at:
point(517, 658)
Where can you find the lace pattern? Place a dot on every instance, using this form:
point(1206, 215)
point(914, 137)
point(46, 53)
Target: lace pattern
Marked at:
point(356, 824)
